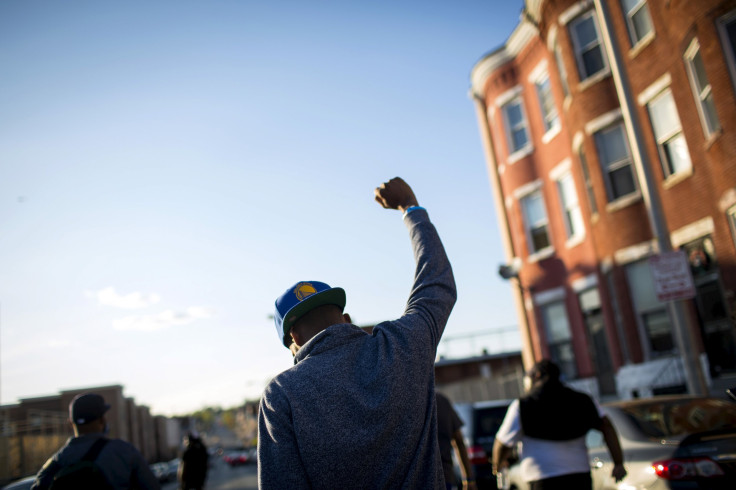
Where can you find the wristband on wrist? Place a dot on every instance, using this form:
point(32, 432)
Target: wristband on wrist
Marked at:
point(410, 209)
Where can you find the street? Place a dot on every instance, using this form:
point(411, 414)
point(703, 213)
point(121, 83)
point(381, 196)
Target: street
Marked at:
point(222, 477)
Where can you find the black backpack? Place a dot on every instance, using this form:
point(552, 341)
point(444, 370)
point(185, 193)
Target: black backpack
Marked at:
point(85, 474)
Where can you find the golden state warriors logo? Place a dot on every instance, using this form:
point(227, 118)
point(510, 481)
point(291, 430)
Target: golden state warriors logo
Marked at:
point(304, 290)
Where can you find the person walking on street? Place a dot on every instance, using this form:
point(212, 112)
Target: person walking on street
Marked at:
point(357, 410)
point(193, 466)
point(91, 460)
point(449, 437)
point(550, 422)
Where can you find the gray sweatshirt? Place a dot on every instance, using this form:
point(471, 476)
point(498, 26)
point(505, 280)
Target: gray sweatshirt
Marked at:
point(357, 410)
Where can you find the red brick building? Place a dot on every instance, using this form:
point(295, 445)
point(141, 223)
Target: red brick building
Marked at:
point(609, 128)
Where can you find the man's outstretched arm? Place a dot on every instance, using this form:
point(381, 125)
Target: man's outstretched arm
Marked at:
point(433, 294)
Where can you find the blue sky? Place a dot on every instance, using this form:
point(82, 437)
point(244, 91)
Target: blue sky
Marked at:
point(170, 167)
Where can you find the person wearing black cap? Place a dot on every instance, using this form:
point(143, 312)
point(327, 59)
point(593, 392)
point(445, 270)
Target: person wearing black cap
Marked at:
point(551, 422)
point(120, 464)
point(357, 410)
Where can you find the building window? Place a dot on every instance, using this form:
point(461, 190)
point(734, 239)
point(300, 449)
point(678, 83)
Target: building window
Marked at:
point(652, 315)
point(638, 20)
point(550, 118)
point(516, 126)
point(562, 72)
point(731, 215)
point(701, 89)
point(588, 48)
point(673, 151)
point(559, 337)
point(588, 181)
point(535, 221)
point(571, 213)
point(727, 28)
point(616, 161)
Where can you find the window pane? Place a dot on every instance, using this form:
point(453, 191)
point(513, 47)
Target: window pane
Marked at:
point(513, 113)
point(677, 154)
point(576, 221)
point(709, 110)
point(659, 331)
point(612, 144)
point(534, 208)
point(699, 71)
point(664, 116)
point(593, 61)
point(641, 285)
point(567, 191)
point(519, 138)
point(642, 22)
point(585, 32)
point(622, 182)
point(540, 239)
point(555, 318)
point(564, 356)
point(731, 31)
point(630, 4)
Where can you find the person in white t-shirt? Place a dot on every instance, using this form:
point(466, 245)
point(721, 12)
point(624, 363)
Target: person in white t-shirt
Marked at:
point(549, 423)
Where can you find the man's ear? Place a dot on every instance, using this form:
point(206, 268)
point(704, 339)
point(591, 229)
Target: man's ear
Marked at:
point(346, 317)
point(296, 336)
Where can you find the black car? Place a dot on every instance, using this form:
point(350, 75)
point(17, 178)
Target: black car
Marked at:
point(481, 422)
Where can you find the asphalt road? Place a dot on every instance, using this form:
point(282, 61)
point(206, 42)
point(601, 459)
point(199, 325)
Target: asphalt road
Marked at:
point(222, 477)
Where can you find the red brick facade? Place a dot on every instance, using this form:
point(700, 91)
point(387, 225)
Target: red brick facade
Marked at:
point(605, 258)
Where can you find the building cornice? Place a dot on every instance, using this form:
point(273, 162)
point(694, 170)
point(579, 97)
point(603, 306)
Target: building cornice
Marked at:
point(491, 62)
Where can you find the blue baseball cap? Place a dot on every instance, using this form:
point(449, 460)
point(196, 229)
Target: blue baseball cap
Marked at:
point(299, 300)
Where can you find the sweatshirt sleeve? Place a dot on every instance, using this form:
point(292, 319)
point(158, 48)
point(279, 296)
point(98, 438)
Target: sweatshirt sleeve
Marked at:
point(279, 463)
point(433, 294)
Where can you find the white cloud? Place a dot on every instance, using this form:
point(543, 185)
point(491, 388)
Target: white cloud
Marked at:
point(165, 319)
point(109, 297)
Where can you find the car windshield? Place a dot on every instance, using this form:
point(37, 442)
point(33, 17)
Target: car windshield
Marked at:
point(668, 418)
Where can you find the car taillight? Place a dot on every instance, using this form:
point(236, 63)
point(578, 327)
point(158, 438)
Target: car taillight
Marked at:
point(477, 455)
point(687, 468)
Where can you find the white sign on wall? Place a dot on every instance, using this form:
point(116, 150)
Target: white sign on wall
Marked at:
point(672, 277)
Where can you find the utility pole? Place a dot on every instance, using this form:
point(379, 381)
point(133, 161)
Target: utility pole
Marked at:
point(684, 337)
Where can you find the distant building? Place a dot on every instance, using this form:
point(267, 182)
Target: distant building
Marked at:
point(34, 429)
point(595, 115)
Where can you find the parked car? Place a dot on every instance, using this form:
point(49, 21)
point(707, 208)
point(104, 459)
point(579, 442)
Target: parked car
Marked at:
point(22, 484)
point(481, 421)
point(239, 458)
point(669, 442)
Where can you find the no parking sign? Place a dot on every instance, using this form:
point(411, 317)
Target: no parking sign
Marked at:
point(672, 277)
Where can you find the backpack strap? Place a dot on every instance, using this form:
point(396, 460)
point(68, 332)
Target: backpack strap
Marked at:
point(95, 450)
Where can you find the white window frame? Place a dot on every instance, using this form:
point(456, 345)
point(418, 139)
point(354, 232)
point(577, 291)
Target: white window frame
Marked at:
point(562, 71)
point(572, 214)
point(701, 94)
point(633, 35)
point(607, 169)
point(663, 140)
point(578, 49)
point(523, 124)
point(551, 119)
point(523, 194)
